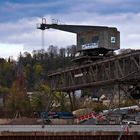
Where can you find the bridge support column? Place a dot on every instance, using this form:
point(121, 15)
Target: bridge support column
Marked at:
point(72, 100)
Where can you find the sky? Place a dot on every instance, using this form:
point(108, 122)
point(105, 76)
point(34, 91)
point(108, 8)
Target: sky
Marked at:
point(19, 19)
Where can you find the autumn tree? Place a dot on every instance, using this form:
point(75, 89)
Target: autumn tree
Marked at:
point(4, 92)
point(17, 100)
point(7, 73)
point(61, 101)
point(42, 100)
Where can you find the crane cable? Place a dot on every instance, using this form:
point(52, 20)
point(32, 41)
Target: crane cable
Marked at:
point(43, 40)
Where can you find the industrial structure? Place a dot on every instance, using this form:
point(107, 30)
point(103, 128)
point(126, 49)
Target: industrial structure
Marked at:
point(94, 43)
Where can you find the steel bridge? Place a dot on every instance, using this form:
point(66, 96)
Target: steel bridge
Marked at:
point(108, 71)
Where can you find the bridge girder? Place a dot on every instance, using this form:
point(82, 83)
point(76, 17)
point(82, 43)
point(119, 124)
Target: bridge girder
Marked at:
point(103, 72)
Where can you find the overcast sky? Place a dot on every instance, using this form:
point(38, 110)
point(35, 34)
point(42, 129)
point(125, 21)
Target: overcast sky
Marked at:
point(18, 19)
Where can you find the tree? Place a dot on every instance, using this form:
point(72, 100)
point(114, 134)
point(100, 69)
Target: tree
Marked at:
point(38, 73)
point(29, 74)
point(46, 100)
point(53, 51)
point(37, 101)
point(7, 74)
point(62, 52)
point(42, 100)
point(4, 91)
point(68, 51)
point(61, 100)
point(32, 70)
point(73, 50)
point(18, 100)
point(38, 69)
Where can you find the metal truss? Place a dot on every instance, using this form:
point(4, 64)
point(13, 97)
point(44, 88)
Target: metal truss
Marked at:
point(103, 72)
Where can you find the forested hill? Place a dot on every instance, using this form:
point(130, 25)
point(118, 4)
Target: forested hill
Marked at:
point(33, 67)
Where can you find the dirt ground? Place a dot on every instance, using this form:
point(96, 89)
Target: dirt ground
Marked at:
point(4, 121)
point(19, 121)
point(33, 121)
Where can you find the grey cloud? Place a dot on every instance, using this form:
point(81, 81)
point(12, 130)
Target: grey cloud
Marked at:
point(21, 6)
point(24, 31)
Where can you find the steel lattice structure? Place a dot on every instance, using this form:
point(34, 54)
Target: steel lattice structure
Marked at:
point(103, 72)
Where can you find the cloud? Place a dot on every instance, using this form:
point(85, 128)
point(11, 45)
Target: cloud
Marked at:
point(10, 50)
point(23, 32)
point(24, 6)
point(15, 10)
